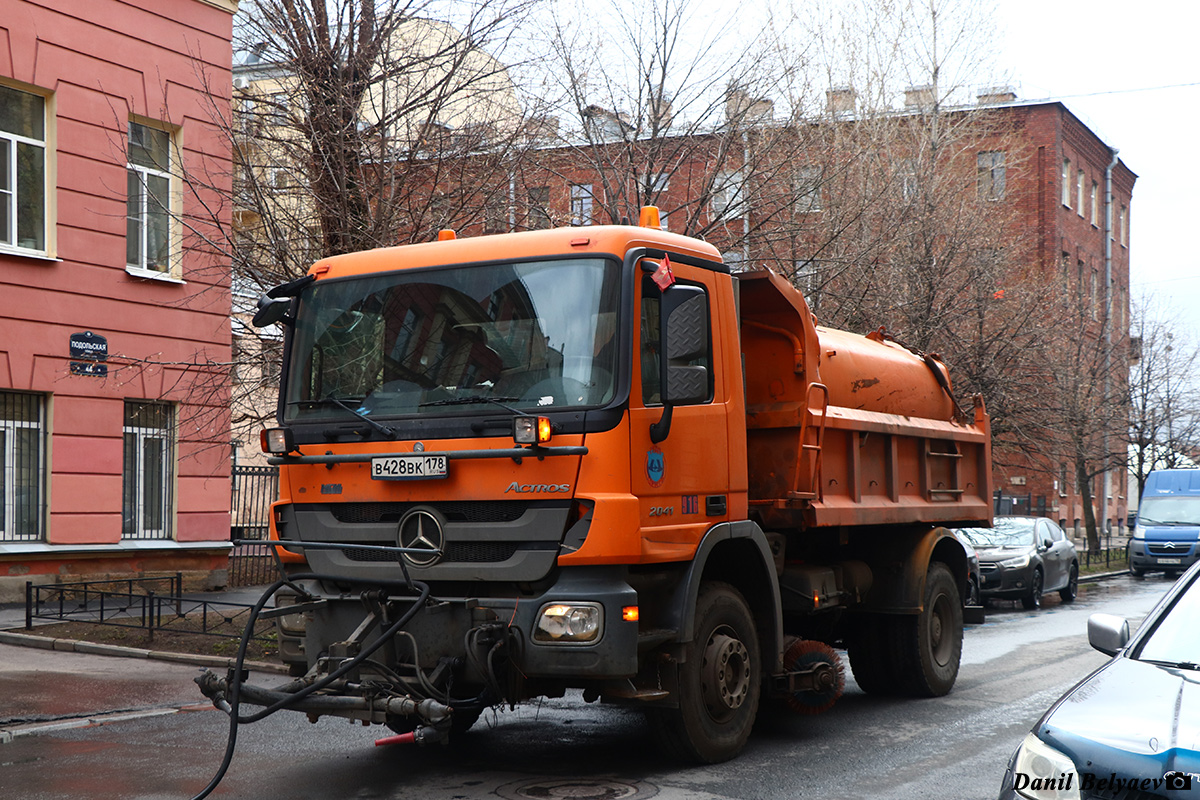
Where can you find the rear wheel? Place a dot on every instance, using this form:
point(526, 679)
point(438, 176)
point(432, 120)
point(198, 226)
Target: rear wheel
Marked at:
point(1068, 592)
point(1033, 598)
point(720, 681)
point(929, 645)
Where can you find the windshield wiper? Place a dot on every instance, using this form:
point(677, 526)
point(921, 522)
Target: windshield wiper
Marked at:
point(469, 401)
point(334, 401)
point(1192, 665)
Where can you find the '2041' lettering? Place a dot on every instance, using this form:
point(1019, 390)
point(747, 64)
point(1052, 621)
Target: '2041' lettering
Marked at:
point(662, 511)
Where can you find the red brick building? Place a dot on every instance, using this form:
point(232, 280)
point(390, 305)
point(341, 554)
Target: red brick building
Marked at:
point(114, 315)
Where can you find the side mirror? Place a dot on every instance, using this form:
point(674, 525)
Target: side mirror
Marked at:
point(1047, 544)
point(1108, 633)
point(270, 310)
point(684, 336)
point(683, 332)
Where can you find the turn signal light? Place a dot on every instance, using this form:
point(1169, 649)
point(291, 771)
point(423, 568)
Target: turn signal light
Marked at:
point(531, 430)
point(629, 613)
point(276, 441)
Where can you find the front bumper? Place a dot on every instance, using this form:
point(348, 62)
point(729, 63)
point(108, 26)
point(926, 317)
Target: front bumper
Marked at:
point(1002, 582)
point(441, 630)
point(1151, 554)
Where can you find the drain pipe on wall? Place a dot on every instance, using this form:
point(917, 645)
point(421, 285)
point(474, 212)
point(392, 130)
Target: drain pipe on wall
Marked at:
point(1108, 314)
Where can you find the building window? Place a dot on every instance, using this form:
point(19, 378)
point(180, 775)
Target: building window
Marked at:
point(148, 202)
point(726, 196)
point(539, 208)
point(656, 187)
point(909, 181)
point(1095, 205)
point(991, 171)
point(148, 475)
point(581, 203)
point(1124, 226)
point(495, 214)
point(1066, 182)
point(22, 444)
point(22, 170)
point(1079, 192)
point(808, 189)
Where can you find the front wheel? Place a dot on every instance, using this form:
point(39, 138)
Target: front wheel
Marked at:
point(929, 645)
point(1033, 598)
point(720, 681)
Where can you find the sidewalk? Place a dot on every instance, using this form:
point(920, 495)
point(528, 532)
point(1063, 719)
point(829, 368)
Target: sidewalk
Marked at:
point(12, 632)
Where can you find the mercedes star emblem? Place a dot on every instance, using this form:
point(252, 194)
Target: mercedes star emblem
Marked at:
point(421, 530)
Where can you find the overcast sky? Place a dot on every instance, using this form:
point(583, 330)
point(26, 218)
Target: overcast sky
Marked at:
point(1131, 72)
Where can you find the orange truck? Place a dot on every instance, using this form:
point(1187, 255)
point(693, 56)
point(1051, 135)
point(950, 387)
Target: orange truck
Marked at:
point(593, 459)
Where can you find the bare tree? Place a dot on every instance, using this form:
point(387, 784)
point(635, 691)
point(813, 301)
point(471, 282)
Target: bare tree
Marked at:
point(1164, 405)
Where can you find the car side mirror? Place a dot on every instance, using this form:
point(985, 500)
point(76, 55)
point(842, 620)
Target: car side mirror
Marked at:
point(683, 332)
point(1047, 544)
point(1108, 633)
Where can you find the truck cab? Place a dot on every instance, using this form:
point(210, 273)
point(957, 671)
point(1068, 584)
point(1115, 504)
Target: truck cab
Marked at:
point(1166, 533)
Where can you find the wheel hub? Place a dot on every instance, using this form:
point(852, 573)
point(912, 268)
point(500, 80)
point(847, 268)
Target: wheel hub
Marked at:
point(725, 675)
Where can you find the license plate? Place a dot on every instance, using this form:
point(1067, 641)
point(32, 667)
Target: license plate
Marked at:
point(407, 468)
point(1169, 560)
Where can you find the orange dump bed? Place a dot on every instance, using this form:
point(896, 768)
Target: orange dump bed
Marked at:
point(852, 430)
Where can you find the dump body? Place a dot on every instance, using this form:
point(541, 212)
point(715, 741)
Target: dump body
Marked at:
point(710, 476)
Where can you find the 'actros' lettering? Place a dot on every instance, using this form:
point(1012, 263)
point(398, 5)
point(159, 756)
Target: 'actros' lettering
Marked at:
point(525, 488)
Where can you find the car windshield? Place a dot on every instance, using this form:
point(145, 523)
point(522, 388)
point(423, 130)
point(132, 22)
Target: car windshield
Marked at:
point(442, 341)
point(1169, 510)
point(1015, 532)
point(1173, 639)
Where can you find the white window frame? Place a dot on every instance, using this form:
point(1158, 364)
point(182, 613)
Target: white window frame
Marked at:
point(1079, 180)
point(726, 196)
point(8, 441)
point(9, 142)
point(142, 434)
point(1095, 205)
point(1066, 182)
point(993, 164)
point(172, 270)
point(583, 196)
point(808, 180)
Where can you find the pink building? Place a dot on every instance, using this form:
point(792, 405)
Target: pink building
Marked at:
point(114, 312)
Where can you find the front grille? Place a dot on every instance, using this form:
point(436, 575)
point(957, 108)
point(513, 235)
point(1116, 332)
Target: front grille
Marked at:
point(1179, 549)
point(455, 553)
point(455, 511)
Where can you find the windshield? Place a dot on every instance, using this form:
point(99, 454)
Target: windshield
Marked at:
point(1170, 510)
point(1174, 637)
point(531, 335)
point(1016, 532)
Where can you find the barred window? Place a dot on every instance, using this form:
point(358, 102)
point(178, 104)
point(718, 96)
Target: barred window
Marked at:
point(148, 476)
point(22, 467)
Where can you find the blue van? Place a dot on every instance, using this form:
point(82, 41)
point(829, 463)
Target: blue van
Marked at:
point(1167, 528)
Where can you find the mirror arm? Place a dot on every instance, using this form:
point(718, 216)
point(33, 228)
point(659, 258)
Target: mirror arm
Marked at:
point(660, 429)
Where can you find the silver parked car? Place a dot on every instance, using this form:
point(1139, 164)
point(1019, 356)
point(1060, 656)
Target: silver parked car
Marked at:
point(1020, 558)
point(1130, 729)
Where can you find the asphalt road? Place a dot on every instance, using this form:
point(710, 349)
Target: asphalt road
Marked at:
point(1014, 666)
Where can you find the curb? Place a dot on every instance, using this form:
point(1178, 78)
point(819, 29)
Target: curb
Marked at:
point(92, 648)
point(36, 728)
point(1099, 576)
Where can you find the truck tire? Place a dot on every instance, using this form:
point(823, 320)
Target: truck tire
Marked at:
point(929, 645)
point(870, 656)
point(720, 682)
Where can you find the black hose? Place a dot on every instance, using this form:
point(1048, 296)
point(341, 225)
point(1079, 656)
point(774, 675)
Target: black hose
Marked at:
point(235, 686)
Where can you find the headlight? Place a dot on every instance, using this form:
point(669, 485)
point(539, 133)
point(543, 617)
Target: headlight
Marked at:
point(1016, 563)
point(569, 622)
point(1139, 532)
point(1042, 773)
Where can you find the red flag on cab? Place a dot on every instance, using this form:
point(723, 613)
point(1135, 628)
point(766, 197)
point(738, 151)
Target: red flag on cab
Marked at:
point(663, 276)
